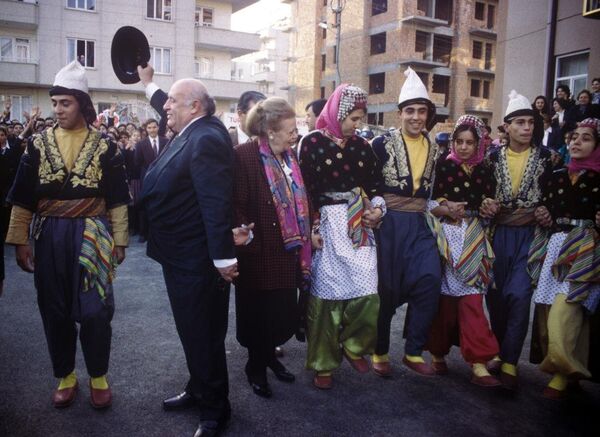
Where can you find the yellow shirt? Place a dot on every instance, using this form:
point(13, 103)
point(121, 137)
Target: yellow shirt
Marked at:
point(418, 149)
point(70, 143)
point(516, 161)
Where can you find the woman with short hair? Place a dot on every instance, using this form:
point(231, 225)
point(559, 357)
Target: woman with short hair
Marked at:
point(272, 237)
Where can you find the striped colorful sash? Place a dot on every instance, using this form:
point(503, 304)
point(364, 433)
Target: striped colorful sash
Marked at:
point(97, 257)
point(358, 233)
point(86, 207)
point(474, 266)
point(397, 203)
point(537, 254)
point(437, 230)
point(515, 217)
point(578, 262)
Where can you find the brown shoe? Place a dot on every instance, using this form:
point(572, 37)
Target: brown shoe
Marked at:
point(100, 398)
point(508, 381)
point(439, 367)
point(323, 382)
point(423, 369)
point(64, 397)
point(359, 364)
point(485, 381)
point(383, 369)
point(554, 394)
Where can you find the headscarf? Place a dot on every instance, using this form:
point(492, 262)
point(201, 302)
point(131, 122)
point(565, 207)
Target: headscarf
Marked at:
point(484, 140)
point(592, 162)
point(345, 99)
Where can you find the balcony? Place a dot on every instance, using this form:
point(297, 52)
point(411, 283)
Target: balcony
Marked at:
point(236, 43)
point(478, 105)
point(264, 76)
point(424, 21)
point(481, 67)
point(18, 73)
point(237, 5)
point(18, 15)
point(227, 89)
point(483, 32)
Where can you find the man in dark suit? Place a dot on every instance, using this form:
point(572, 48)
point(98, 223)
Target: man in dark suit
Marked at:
point(146, 152)
point(187, 196)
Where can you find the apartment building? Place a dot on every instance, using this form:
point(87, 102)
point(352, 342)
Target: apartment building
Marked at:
point(544, 43)
point(269, 66)
point(188, 38)
point(451, 44)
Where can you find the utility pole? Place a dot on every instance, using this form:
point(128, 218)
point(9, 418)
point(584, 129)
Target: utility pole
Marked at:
point(337, 6)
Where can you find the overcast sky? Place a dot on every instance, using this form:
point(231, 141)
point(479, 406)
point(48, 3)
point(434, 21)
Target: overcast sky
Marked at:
point(259, 16)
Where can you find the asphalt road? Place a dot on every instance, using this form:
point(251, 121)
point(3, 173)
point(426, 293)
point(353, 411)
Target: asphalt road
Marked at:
point(147, 365)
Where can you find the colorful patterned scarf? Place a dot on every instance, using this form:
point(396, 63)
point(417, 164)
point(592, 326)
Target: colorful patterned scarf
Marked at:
point(291, 205)
point(97, 257)
point(537, 254)
point(345, 99)
point(474, 266)
point(357, 231)
point(484, 140)
point(578, 262)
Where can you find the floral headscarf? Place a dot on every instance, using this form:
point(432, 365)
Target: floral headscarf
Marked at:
point(484, 140)
point(345, 99)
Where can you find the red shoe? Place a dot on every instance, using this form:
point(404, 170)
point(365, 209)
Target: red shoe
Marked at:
point(554, 394)
point(359, 364)
point(485, 381)
point(423, 369)
point(439, 367)
point(64, 397)
point(383, 369)
point(100, 398)
point(323, 382)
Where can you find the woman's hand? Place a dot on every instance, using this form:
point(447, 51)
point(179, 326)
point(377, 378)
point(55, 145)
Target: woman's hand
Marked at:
point(241, 234)
point(372, 216)
point(456, 210)
point(316, 240)
point(543, 217)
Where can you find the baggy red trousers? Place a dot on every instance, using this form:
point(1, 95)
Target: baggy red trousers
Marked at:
point(465, 315)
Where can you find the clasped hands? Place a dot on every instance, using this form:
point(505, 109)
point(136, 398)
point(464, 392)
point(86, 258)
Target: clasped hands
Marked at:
point(490, 207)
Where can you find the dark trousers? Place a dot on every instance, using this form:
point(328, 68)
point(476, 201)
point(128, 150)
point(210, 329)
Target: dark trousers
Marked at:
point(200, 307)
point(58, 278)
point(4, 220)
point(509, 301)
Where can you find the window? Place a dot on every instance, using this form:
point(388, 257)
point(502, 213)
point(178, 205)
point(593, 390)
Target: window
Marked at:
point(477, 50)
point(204, 16)
point(439, 9)
point(333, 86)
point(160, 58)
point(375, 118)
point(572, 70)
point(20, 104)
point(479, 10)
point(324, 33)
point(14, 49)
point(204, 67)
point(323, 62)
point(486, 89)
point(159, 9)
point(335, 53)
point(475, 86)
point(88, 5)
point(441, 85)
point(81, 50)
point(378, 7)
point(376, 83)
point(322, 92)
point(442, 48)
point(378, 43)
point(488, 56)
point(491, 12)
point(421, 41)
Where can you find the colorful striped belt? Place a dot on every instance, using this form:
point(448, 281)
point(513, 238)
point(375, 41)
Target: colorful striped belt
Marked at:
point(579, 223)
point(405, 204)
point(75, 208)
point(515, 217)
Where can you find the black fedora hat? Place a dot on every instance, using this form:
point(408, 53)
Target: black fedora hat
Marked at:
point(128, 50)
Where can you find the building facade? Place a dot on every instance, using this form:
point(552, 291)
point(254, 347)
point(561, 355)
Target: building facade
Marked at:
point(545, 43)
point(451, 44)
point(188, 38)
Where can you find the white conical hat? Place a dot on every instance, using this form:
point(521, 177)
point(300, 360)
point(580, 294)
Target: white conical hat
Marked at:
point(517, 105)
point(72, 76)
point(413, 88)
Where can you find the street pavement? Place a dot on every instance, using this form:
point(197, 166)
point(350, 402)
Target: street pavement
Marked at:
point(147, 365)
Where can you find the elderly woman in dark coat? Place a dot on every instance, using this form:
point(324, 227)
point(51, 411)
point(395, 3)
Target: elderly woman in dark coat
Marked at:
point(272, 238)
